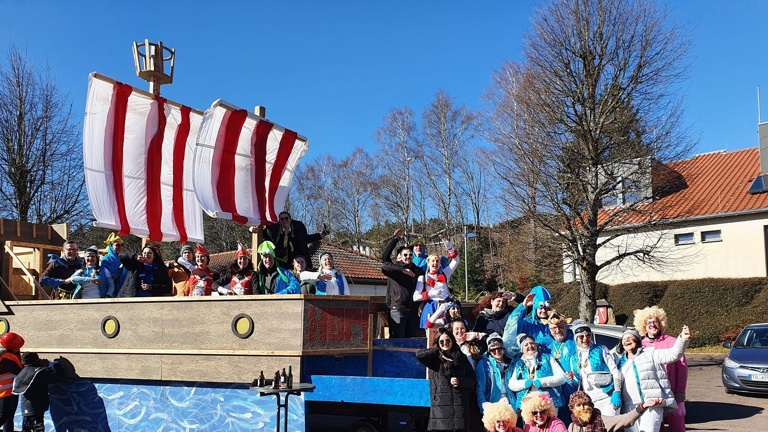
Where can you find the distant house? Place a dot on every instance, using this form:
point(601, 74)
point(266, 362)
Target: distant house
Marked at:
point(718, 223)
point(363, 272)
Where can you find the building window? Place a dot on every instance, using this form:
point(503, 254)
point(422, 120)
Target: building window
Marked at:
point(711, 236)
point(684, 239)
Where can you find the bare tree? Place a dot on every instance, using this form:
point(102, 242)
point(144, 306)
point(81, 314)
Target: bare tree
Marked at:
point(353, 185)
point(447, 130)
point(581, 124)
point(41, 174)
point(397, 139)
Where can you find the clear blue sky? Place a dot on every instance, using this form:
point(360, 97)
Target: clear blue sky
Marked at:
point(332, 69)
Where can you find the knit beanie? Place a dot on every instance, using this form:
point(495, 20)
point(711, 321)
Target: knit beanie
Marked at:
point(30, 359)
point(185, 248)
point(579, 326)
point(495, 341)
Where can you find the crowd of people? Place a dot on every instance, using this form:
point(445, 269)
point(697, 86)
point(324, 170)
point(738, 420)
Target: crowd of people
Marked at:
point(283, 267)
point(525, 366)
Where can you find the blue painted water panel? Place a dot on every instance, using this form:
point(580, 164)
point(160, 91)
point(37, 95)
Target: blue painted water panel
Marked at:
point(146, 406)
point(370, 390)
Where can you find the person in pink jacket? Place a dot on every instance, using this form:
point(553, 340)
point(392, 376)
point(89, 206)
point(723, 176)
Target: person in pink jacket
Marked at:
point(651, 322)
point(539, 413)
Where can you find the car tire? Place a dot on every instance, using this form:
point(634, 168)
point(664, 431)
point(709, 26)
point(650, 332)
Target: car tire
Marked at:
point(364, 426)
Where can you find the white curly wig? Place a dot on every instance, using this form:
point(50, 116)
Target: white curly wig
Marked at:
point(642, 316)
point(499, 411)
point(537, 401)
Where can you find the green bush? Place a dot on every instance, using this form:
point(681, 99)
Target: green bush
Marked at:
point(715, 309)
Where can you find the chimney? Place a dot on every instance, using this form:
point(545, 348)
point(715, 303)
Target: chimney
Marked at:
point(760, 184)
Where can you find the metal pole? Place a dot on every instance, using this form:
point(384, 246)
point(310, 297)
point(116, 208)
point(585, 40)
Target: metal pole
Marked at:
point(466, 274)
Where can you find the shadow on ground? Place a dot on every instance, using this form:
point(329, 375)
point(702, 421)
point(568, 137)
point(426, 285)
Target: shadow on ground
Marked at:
point(703, 412)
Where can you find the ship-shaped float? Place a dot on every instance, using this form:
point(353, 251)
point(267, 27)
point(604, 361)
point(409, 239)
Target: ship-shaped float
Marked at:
point(188, 363)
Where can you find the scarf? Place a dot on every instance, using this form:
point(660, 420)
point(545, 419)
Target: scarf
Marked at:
point(492, 315)
point(595, 424)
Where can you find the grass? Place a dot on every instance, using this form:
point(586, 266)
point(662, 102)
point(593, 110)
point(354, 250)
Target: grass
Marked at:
point(708, 349)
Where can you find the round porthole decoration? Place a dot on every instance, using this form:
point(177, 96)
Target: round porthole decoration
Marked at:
point(242, 326)
point(110, 326)
point(4, 326)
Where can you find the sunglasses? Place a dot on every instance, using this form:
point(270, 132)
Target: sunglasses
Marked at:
point(496, 349)
point(407, 254)
point(538, 412)
point(285, 218)
point(446, 342)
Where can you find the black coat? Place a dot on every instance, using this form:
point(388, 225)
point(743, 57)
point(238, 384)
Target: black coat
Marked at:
point(32, 382)
point(161, 282)
point(298, 241)
point(400, 286)
point(451, 407)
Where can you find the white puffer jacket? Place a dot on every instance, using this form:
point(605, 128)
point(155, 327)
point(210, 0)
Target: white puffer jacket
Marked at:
point(651, 375)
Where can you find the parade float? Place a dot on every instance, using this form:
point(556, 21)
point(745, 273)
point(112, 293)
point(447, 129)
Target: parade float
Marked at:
point(152, 166)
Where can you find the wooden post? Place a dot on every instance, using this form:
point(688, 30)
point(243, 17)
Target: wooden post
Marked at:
point(257, 235)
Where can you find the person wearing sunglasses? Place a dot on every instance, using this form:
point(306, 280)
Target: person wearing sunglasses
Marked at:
point(493, 372)
point(451, 386)
point(402, 275)
point(536, 371)
point(540, 414)
point(290, 238)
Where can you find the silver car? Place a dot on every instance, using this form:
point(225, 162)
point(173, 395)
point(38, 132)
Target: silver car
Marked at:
point(746, 367)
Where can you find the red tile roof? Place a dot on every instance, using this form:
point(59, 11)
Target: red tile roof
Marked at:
point(353, 264)
point(710, 184)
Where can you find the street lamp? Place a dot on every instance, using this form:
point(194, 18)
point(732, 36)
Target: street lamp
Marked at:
point(466, 273)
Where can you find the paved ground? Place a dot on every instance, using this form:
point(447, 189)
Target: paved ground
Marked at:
point(711, 409)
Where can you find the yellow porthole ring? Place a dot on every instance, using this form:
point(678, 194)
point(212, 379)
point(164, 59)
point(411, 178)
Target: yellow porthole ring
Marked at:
point(4, 326)
point(242, 326)
point(110, 326)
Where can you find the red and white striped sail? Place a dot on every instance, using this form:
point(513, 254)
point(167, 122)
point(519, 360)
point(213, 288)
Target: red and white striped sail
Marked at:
point(138, 153)
point(244, 165)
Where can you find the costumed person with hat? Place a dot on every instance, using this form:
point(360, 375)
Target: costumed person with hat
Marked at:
point(240, 276)
point(10, 366)
point(539, 413)
point(328, 281)
point(111, 260)
point(651, 323)
point(32, 382)
point(147, 274)
point(419, 249)
point(536, 370)
point(493, 372)
point(181, 269)
point(586, 418)
point(561, 345)
point(60, 268)
point(432, 286)
point(272, 278)
point(500, 417)
point(535, 325)
point(596, 371)
point(645, 378)
point(94, 281)
point(202, 280)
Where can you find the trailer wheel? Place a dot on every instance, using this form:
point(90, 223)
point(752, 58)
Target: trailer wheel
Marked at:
point(364, 426)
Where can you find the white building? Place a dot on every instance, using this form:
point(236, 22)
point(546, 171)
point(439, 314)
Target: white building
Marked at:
point(719, 224)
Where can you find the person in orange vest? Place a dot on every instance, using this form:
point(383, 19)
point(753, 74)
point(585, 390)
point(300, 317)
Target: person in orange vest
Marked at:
point(10, 366)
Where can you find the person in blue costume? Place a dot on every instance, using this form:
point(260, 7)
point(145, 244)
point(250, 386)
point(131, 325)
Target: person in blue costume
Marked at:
point(493, 372)
point(328, 280)
point(596, 371)
point(274, 279)
point(111, 261)
point(561, 345)
point(94, 281)
point(536, 370)
point(534, 325)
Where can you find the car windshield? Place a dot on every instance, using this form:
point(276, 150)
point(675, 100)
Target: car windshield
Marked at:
point(752, 338)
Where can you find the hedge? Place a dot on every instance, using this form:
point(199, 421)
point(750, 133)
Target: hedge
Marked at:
point(715, 309)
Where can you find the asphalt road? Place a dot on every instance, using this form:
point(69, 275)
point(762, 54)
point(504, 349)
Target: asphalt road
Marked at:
point(709, 408)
